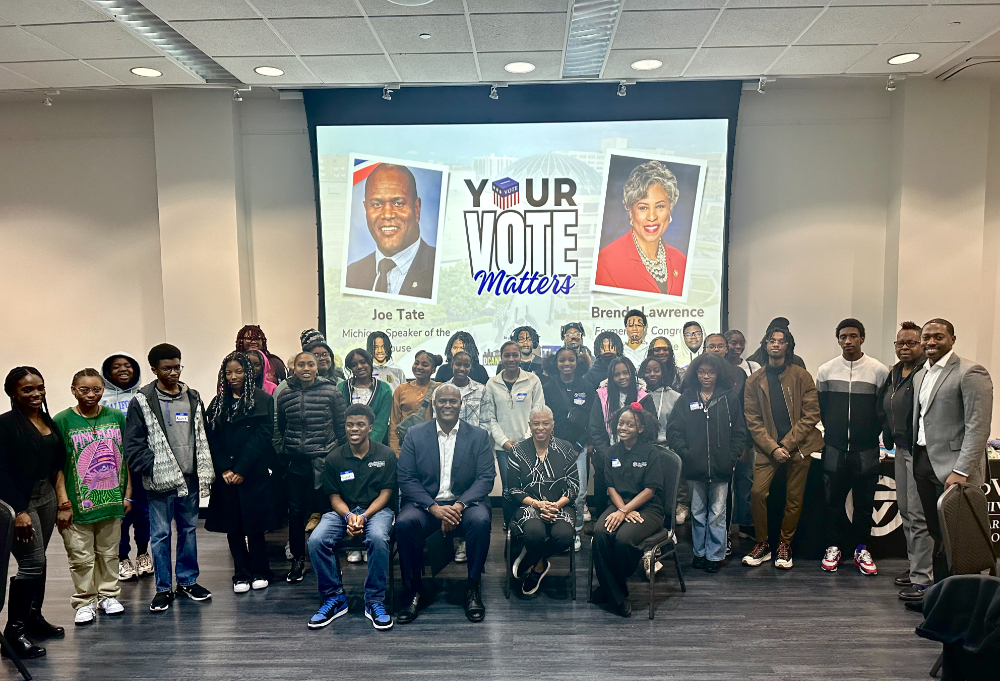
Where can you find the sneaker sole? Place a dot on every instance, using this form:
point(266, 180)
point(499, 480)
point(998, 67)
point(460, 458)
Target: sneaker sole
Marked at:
point(829, 569)
point(754, 562)
point(113, 614)
point(548, 566)
point(163, 609)
point(865, 572)
point(463, 559)
point(320, 625)
point(83, 624)
point(783, 564)
point(260, 588)
point(294, 581)
point(380, 627)
point(181, 592)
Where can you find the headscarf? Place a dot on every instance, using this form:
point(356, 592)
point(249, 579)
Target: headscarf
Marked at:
point(223, 409)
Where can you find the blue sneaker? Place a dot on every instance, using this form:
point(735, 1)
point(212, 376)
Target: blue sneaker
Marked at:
point(379, 616)
point(332, 608)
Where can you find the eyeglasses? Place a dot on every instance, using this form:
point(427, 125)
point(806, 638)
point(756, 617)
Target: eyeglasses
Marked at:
point(692, 334)
point(906, 344)
point(172, 370)
point(89, 391)
point(635, 325)
point(777, 341)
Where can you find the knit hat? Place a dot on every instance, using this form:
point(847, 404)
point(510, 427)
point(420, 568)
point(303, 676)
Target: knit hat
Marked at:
point(311, 337)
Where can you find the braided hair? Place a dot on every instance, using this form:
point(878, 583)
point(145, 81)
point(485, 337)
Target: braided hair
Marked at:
point(468, 345)
point(386, 343)
point(223, 408)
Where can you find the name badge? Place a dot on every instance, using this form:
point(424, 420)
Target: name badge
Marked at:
point(520, 397)
point(694, 406)
point(615, 463)
point(579, 398)
point(346, 475)
point(355, 399)
point(181, 417)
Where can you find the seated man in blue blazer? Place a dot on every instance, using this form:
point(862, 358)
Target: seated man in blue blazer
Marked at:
point(445, 475)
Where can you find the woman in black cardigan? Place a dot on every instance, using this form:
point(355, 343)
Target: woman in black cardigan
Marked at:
point(239, 428)
point(31, 453)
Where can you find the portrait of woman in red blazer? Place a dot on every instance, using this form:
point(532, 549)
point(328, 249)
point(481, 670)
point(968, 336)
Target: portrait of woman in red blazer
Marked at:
point(639, 260)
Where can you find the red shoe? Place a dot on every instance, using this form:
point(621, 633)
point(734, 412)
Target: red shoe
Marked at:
point(863, 561)
point(831, 560)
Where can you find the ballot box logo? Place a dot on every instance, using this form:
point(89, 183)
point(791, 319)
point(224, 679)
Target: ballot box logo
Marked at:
point(885, 511)
point(506, 193)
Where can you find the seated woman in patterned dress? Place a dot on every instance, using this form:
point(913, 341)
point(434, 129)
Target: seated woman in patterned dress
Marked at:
point(543, 482)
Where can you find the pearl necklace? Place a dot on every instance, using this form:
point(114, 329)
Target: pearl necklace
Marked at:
point(657, 268)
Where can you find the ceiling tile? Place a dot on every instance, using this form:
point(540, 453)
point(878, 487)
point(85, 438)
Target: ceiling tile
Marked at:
point(880, 2)
point(381, 8)
point(776, 3)
point(352, 69)
point(436, 68)
point(172, 10)
point(449, 33)
point(94, 41)
point(49, 11)
point(673, 4)
point(548, 65)
point(751, 27)
point(659, 29)
point(936, 25)
point(243, 68)
point(307, 8)
point(119, 69)
point(726, 62)
point(516, 32)
point(63, 74)
point(508, 6)
point(328, 36)
point(619, 63)
point(12, 81)
point(932, 53)
point(802, 60)
point(858, 25)
point(16, 44)
point(236, 38)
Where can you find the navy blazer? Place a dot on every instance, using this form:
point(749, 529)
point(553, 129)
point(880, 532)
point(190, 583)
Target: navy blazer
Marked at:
point(419, 468)
point(419, 279)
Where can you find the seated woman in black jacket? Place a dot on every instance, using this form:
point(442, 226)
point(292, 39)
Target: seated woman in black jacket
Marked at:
point(31, 453)
point(570, 396)
point(543, 481)
point(633, 469)
point(708, 431)
point(239, 427)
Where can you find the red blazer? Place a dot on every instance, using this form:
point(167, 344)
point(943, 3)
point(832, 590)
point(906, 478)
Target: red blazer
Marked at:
point(619, 266)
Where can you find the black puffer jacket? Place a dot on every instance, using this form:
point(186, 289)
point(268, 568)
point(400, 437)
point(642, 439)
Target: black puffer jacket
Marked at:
point(311, 420)
point(708, 442)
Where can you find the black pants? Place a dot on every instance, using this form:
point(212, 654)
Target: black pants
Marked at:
point(542, 539)
point(855, 472)
point(930, 488)
point(302, 502)
point(600, 484)
point(414, 525)
point(249, 557)
point(617, 554)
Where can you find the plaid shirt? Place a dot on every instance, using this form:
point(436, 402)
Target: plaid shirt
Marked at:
point(475, 409)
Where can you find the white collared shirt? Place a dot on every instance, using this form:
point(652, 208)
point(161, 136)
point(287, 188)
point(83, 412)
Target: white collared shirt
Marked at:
point(931, 374)
point(397, 275)
point(446, 450)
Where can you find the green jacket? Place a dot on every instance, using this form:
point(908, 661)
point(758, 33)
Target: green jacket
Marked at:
point(381, 404)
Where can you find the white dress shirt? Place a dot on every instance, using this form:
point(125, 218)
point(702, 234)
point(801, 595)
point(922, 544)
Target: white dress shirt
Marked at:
point(931, 374)
point(397, 275)
point(446, 450)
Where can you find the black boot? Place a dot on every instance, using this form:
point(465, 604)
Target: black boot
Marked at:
point(22, 592)
point(38, 627)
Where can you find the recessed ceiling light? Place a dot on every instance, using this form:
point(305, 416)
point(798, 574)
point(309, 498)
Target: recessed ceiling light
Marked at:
point(904, 58)
point(519, 67)
point(411, 3)
point(270, 71)
point(647, 64)
point(425, 36)
point(145, 72)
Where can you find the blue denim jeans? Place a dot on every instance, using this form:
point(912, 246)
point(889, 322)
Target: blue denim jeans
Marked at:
point(183, 511)
point(708, 518)
point(323, 554)
point(581, 499)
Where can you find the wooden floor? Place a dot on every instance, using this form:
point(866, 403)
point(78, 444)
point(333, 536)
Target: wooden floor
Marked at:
point(738, 624)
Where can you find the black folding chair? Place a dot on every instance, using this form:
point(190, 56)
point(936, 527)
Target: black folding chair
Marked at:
point(509, 559)
point(665, 540)
point(6, 537)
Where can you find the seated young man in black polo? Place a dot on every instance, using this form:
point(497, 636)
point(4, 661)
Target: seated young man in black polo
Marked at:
point(360, 478)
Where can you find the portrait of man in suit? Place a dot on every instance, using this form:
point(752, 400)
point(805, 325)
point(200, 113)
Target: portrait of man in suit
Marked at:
point(402, 263)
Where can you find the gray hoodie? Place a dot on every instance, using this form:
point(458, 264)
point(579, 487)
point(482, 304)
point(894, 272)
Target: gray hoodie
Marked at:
point(115, 397)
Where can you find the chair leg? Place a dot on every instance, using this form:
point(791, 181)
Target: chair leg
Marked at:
point(680, 575)
point(651, 557)
point(590, 575)
point(508, 566)
point(937, 663)
point(392, 580)
point(13, 656)
point(572, 570)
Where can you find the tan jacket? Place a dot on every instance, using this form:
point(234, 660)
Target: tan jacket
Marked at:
point(803, 411)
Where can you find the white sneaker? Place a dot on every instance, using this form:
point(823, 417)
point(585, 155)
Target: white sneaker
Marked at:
point(85, 614)
point(353, 556)
point(577, 543)
point(259, 584)
point(460, 555)
point(682, 514)
point(144, 565)
point(111, 606)
point(126, 570)
point(586, 515)
point(241, 587)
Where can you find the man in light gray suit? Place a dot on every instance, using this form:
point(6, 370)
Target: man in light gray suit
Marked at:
point(952, 409)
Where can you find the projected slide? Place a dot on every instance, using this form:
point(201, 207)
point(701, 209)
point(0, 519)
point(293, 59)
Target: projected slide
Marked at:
point(432, 229)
